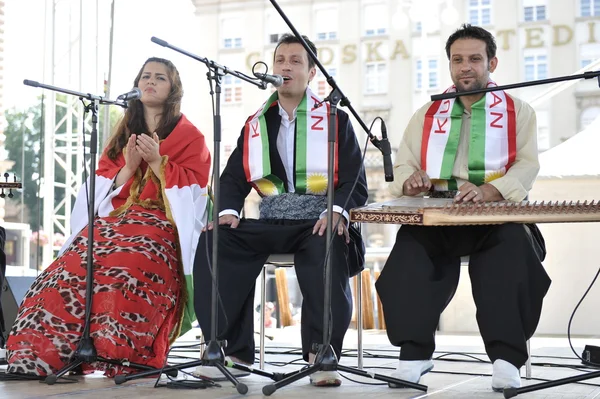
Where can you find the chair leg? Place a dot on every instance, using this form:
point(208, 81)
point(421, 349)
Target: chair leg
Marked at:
point(528, 362)
point(367, 300)
point(263, 294)
point(359, 319)
point(283, 297)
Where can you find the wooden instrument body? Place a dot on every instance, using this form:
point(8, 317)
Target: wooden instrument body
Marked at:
point(443, 212)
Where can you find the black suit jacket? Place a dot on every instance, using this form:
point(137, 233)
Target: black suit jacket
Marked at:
point(235, 188)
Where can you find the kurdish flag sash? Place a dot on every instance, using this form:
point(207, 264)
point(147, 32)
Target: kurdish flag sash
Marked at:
point(492, 140)
point(311, 149)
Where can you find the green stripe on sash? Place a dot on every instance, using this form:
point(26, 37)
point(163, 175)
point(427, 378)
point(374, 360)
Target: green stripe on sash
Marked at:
point(277, 183)
point(209, 206)
point(301, 146)
point(453, 140)
point(477, 142)
point(189, 316)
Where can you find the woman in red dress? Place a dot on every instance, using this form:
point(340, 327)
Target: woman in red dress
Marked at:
point(150, 208)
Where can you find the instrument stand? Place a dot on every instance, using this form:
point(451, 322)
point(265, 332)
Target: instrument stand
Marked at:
point(325, 358)
point(85, 352)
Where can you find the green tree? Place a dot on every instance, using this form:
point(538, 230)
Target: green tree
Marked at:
point(24, 146)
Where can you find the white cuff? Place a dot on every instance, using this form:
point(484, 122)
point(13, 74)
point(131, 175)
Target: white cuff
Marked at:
point(230, 212)
point(338, 209)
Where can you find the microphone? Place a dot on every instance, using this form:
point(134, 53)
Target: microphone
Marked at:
point(275, 80)
point(31, 83)
point(158, 41)
point(133, 94)
point(386, 150)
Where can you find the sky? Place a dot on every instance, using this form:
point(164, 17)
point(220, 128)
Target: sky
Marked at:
point(136, 21)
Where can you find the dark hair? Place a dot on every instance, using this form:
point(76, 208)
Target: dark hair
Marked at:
point(468, 31)
point(133, 119)
point(288, 38)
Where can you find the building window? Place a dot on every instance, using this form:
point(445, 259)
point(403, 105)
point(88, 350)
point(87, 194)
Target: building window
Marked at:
point(232, 89)
point(323, 87)
point(375, 22)
point(376, 78)
point(275, 26)
point(431, 72)
point(231, 33)
point(534, 10)
point(326, 24)
point(480, 12)
point(537, 13)
point(588, 53)
point(536, 67)
point(274, 37)
point(588, 116)
point(590, 8)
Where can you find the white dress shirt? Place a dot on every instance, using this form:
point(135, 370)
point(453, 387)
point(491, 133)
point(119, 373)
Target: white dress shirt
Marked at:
point(285, 148)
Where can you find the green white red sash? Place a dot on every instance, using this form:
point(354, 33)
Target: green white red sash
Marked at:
point(311, 149)
point(492, 140)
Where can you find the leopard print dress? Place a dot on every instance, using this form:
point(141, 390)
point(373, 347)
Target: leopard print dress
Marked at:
point(136, 292)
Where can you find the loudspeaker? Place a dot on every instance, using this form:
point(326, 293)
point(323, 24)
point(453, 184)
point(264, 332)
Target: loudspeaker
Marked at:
point(13, 292)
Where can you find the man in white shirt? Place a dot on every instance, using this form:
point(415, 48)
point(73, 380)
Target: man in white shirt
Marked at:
point(282, 154)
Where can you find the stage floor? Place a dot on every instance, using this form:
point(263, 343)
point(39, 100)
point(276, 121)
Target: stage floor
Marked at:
point(457, 374)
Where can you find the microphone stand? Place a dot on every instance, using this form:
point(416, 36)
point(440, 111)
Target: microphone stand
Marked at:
point(86, 351)
point(585, 75)
point(213, 355)
point(512, 392)
point(326, 359)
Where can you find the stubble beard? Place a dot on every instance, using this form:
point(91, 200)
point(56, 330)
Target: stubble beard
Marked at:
point(476, 85)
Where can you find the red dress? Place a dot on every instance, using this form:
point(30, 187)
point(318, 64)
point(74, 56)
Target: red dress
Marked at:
point(136, 289)
point(139, 284)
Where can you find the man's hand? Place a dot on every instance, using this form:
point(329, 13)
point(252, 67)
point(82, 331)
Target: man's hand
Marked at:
point(484, 193)
point(231, 220)
point(417, 183)
point(469, 192)
point(321, 226)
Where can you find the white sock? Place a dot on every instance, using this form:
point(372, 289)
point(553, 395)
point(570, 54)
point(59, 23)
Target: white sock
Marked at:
point(505, 375)
point(412, 370)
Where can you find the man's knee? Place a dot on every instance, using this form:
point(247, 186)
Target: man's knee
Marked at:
point(317, 242)
point(510, 234)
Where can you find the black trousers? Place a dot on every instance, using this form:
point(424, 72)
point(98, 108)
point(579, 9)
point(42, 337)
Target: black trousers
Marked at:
point(242, 253)
point(507, 278)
